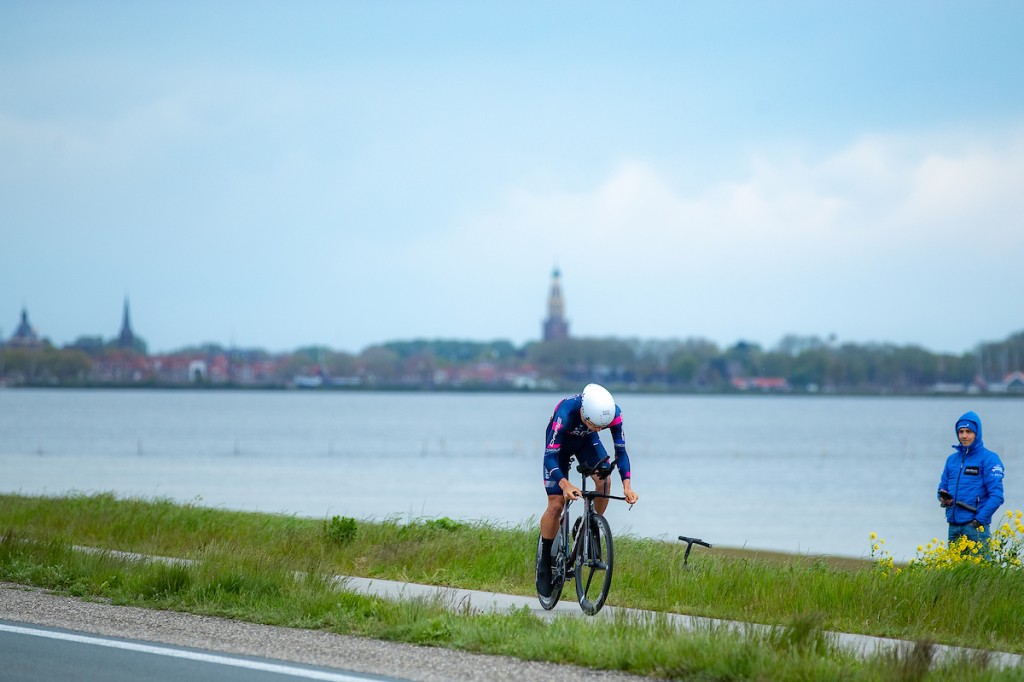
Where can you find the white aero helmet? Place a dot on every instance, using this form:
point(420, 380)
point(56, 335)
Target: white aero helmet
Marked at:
point(598, 405)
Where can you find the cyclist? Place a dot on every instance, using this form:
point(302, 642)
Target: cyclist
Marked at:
point(574, 430)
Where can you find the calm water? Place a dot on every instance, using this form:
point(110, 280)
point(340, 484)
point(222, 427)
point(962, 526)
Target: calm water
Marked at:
point(805, 474)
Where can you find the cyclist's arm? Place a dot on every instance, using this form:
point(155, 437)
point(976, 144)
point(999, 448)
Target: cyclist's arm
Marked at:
point(622, 459)
point(621, 456)
point(627, 491)
point(551, 466)
point(569, 491)
point(551, 463)
point(557, 427)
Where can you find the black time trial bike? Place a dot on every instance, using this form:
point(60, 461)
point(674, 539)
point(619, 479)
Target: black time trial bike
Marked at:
point(586, 553)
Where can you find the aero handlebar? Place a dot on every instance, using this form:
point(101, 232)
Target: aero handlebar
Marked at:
point(603, 473)
point(593, 493)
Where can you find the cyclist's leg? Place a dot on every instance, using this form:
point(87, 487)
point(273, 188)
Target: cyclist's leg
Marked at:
point(591, 455)
point(552, 515)
point(601, 485)
point(549, 523)
point(556, 502)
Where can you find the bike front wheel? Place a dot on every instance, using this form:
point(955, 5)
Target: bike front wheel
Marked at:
point(595, 557)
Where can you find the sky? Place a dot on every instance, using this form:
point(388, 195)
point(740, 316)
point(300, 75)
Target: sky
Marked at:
point(277, 175)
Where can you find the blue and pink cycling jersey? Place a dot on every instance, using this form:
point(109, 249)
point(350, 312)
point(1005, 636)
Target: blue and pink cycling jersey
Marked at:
point(568, 436)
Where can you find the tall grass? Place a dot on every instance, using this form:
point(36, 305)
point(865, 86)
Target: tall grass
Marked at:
point(246, 561)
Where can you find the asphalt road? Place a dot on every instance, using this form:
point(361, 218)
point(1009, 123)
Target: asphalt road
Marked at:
point(31, 652)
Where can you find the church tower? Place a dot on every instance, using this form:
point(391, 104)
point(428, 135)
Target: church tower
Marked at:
point(126, 339)
point(556, 327)
point(25, 335)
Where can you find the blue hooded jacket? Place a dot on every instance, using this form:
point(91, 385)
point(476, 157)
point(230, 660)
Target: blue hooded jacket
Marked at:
point(973, 475)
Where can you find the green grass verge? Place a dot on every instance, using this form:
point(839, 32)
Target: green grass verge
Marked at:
point(245, 567)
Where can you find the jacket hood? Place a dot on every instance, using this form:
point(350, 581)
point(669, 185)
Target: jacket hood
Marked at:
point(972, 418)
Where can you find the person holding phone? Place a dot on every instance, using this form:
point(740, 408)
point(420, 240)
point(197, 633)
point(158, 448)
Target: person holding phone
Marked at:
point(971, 485)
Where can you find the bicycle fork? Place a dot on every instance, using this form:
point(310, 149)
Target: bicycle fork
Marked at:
point(591, 541)
point(580, 540)
point(568, 548)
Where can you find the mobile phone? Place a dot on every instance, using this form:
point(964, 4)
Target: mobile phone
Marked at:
point(944, 495)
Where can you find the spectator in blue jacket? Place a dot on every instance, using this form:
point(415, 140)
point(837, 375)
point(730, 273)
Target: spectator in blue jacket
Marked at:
point(971, 486)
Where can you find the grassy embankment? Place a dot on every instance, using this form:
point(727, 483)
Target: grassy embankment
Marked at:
point(246, 568)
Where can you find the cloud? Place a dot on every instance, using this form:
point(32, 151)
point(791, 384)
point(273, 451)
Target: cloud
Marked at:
point(974, 195)
point(879, 189)
point(859, 241)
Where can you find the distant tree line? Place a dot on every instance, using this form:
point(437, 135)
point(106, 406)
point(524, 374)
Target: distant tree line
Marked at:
point(805, 363)
point(44, 364)
point(801, 363)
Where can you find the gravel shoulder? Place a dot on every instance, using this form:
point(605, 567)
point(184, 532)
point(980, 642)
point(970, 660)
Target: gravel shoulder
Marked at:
point(424, 664)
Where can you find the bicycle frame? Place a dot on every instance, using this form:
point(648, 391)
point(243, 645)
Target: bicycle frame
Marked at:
point(581, 550)
point(580, 543)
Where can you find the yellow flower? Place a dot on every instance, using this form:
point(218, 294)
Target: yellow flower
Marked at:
point(873, 535)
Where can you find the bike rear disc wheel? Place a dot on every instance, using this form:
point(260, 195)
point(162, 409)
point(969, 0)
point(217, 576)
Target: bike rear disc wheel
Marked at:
point(557, 571)
point(594, 563)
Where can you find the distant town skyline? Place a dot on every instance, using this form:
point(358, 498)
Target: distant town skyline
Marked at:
point(344, 174)
point(554, 327)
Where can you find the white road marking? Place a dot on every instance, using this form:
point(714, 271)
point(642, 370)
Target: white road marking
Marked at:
point(191, 655)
